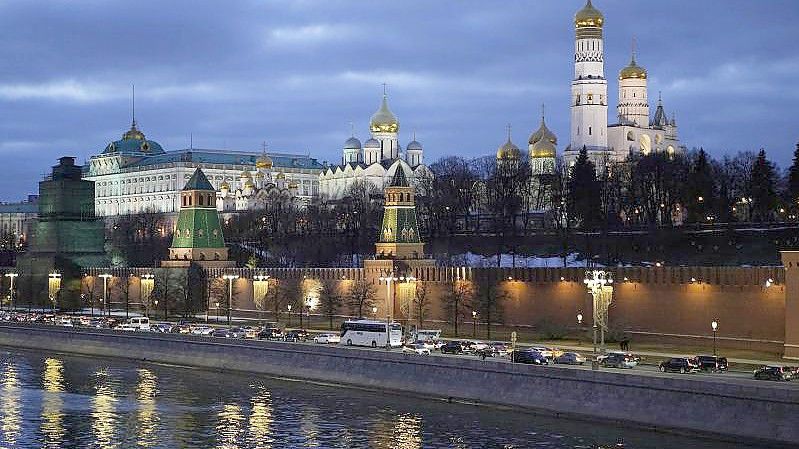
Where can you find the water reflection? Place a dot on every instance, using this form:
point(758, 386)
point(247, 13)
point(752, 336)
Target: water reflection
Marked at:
point(71, 402)
point(146, 390)
point(52, 427)
point(10, 412)
point(104, 411)
point(260, 426)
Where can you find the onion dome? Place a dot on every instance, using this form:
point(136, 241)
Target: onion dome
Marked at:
point(543, 148)
point(352, 144)
point(589, 17)
point(543, 133)
point(249, 184)
point(224, 186)
point(245, 174)
point(293, 184)
point(281, 175)
point(632, 71)
point(414, 145)
point(263, 161)
point(384, 120)
point(508, 151)
point(259, 175)
point(372, 143)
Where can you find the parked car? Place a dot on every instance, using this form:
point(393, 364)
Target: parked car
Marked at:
point(570, 358)
point(250, 331)
point(452, 347)
point(181, 329)
point(501, 349)
point(618, 360)
point(296, 335)
point(64, 321)
point(416, 348)
point(712, 363)
point(427, 344)
point(529, 356)
point(680, 365)
point(270, 333)
point(549, 353)
point(327, 338)
point(477, 345)
point(779, 373)
point(163, 328)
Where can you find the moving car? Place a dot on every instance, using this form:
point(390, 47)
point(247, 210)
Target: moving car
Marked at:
point(64, 321)
point(452, 347)
point(617, 360)
point(203, 330)
point(416, 348)
point(427, 344)
point(163, 328)
point(680, 365)
point(296, 335)
point(712, 363)
point(549, 353)
point(570, 358)
point(127, 327)
point(529, 356)
point(327, 338)
point(140, 323)
point(779, 373)
point(270, 333)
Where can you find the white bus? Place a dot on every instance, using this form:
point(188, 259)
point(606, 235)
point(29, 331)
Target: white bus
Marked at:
point(370, 333)
point(139, 323)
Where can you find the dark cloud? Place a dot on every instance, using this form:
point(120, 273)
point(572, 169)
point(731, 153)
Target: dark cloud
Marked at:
point(296, 73)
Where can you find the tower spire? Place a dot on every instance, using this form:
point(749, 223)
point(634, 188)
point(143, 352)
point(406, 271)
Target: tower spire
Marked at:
point(352, 129)
point(633, 51)
point(133, 105)
point(384, 90)
point(543, 112)
point(508, 127)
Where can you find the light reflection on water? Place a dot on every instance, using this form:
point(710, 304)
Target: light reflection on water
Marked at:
point(56, 401)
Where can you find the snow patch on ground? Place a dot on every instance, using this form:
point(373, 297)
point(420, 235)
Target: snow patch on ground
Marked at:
point(470, 259)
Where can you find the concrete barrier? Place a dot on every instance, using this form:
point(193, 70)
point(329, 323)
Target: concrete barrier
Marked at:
point(763, 413)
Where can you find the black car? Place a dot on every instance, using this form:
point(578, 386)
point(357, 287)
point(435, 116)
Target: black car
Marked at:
point(452, 347)
point(619, 360)
point(296, 335)
point(270, 333)
point(528, 356)
point(712, 363)
point(680, 365)
point(780, 373)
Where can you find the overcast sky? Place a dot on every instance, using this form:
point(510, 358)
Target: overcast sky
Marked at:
point(295, 73)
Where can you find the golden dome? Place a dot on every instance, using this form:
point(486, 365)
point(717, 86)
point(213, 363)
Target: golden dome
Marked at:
point(133, 133)
point(542, 148)
point(508, 151)
point(293, 185)
point(589, 17)
point(263, 161)
point(543, 132)
point(224, 186)
point(281, 175)
point(245, 174)
point(249, 183)
point(259, 175)
point(384, 120)
point(632, 71)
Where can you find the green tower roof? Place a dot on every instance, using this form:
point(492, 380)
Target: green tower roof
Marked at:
point(198, 181)
point(399, 179)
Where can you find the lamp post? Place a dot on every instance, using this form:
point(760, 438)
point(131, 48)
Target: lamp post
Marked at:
point(106, 304)
point(155, 307)
point(146, 285)
point(230, 278)
point(55, 287)
point(474, 323)
point(599, 285)
point(715, 326)
point(11, 277)
point(217, 311)
point(374, 312)
point(580, 319)
point(289, 307)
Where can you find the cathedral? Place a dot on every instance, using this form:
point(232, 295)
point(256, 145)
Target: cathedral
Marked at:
point(376, 161)
point(636, 132)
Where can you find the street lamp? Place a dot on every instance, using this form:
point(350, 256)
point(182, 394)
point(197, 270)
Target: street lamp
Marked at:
point(11, 277)
point(715, 326)
point(289, 307)
point(374, 312)
point(580, 319)
point(230, 278)
point(599, 285)
point(105, 277)
point(474, 323)
point(217, 311)
point(54, 287)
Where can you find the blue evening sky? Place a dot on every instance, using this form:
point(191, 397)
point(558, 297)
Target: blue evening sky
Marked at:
point(295, 73)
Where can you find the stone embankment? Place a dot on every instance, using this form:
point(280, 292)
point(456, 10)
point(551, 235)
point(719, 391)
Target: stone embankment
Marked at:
point(764, 413)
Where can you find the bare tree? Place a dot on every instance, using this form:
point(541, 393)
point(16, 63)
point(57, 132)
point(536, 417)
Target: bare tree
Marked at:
point(489, 300)
point(330, 299)
point(361, 295)
point(421, 302)
point(456, 301)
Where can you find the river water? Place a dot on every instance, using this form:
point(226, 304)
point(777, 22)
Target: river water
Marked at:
point(59, 401)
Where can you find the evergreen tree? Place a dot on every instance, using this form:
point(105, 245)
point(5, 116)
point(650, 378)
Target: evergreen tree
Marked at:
point(700, 194)
point(583, 197)
point(793, 180)
point(763, 188)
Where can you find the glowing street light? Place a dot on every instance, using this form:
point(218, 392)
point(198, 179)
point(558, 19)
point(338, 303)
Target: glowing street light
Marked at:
point(106, 277)
point(474, 323)
point(580, 319)
point(11, 277)
point(230, 278)
point(715, 326)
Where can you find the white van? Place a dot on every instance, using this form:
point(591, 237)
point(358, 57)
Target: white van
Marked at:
point(140, 323)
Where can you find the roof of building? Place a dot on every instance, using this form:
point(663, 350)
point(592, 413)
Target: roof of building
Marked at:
point(399, 179)
point(352, 144)
point(199, 181)
point(659, 120)
point(19, 208)
point(588, 16)
point(210, 156)
point(133, 141)
point(384, 120)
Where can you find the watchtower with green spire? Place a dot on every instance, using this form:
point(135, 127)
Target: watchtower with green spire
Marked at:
point(399, 235)
point(198, 234)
